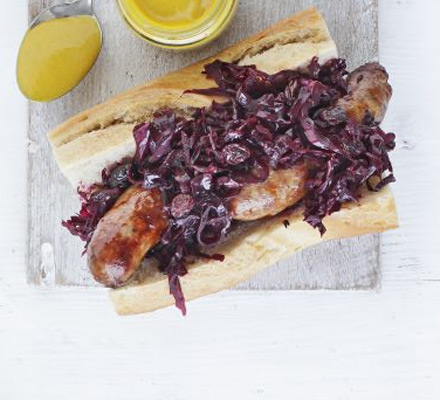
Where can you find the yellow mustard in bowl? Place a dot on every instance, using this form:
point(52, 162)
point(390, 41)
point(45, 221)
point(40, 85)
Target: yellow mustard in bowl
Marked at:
point(55, 56)
point(178, 24)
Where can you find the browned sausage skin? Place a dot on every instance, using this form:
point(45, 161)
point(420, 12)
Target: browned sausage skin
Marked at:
point(368, 95)
point(125, 234)
point(282, 188)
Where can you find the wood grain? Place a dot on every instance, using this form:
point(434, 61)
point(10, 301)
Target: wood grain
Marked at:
point(54, 256)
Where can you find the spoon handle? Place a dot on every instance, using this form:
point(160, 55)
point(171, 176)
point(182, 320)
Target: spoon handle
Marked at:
point(69, 9)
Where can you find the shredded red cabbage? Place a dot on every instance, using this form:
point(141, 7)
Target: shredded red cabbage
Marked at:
point(200, 163)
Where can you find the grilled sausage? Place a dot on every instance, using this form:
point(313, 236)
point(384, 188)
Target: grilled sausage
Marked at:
point(282, 188)
point(368, 95)
point(137, 221)
point(124, 235)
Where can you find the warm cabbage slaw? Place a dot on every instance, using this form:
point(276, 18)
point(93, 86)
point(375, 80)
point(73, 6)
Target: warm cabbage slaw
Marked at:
point(201, 163)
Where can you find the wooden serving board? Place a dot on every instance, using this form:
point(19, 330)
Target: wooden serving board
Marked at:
point(54, 256)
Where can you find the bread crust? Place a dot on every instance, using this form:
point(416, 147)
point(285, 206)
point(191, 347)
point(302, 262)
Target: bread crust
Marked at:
point(261, 246)
point(290, 43)
point(98, 137)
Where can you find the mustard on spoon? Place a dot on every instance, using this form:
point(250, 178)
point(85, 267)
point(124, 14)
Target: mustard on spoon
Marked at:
point(58, 50)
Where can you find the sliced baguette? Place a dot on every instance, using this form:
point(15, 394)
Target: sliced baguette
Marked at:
point(262, 245)
point(97, 137)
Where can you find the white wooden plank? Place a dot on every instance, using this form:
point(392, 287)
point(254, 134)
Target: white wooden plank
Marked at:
point(282, 344)
point(126, 61)
point(13, 153)
point(412, 59)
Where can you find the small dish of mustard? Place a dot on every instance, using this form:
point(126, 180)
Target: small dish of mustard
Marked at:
point(178, 24)
point(58, 50)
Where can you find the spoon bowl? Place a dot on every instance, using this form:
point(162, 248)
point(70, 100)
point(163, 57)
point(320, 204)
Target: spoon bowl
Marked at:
point(58, 50)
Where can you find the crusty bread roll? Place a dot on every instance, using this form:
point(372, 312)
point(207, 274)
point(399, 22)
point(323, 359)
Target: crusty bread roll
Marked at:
point(95, 138)
point(98, 137)
point(261, 245)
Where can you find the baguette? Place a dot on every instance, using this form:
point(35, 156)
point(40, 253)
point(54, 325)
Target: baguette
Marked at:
point(262, 245)
point(98, 137)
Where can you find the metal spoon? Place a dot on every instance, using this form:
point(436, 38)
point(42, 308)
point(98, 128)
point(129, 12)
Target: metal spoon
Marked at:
point(65, 9)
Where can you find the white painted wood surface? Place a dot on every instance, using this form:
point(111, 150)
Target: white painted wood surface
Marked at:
point(54, 255)
point(68, 344)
